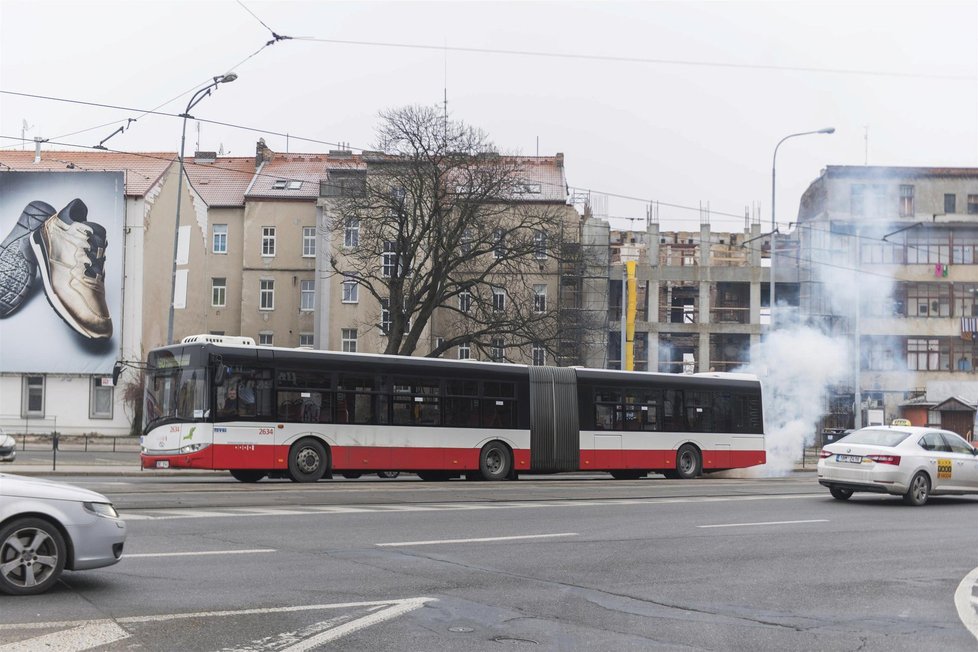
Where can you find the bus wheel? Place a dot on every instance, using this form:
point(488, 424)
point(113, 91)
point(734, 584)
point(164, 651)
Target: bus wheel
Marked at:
point(628, 475)
point(247, 475)
point(496, 461)
point(688, 463)
point(307, 461)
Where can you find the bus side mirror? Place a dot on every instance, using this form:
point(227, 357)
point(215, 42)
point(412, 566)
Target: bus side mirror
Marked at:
point(220, 374)
point(116, 372)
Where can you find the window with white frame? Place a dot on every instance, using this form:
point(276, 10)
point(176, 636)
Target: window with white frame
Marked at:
point(33, 397)
point(306, 339)
point(498, 299)
point(266, 294)
point(351, 233)
point(101, 398)
point(308, 242)
point(906, 201)
point(497, 349)
point(265, 338)
point(389, 259)
point(540, 245)
point(923, 354)
point(348, 340)
point(464, 352)
point(219, 239)
point(464, 300)
point(385, 315)
point(351, 291)
point(219, 292)
point(540, 298)
point(499, 243)
point(466, 242)
point(307, 295)
point(539, 355)
point(268, 241)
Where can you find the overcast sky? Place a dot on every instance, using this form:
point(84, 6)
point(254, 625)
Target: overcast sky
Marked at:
point(679, 102)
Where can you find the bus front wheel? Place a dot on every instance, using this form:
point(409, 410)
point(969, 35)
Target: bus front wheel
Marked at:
point(308, 461)
point(496, 461)
point(688, 462)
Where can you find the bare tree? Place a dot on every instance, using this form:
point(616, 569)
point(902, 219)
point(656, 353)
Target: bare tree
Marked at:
point(448, 234)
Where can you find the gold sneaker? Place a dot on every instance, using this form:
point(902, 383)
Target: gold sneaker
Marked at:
point(70, 254)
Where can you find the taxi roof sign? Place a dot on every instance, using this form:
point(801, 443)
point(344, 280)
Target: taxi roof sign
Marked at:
point(901, 422)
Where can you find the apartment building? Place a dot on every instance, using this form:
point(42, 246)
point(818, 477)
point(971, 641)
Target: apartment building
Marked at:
point(902, 241)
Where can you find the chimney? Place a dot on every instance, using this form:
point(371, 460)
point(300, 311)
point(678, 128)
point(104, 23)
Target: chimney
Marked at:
point(560, 159)
point(262, 153)
point(37, 149)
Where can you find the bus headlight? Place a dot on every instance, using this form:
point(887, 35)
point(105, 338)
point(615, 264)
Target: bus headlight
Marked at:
point(193, 448)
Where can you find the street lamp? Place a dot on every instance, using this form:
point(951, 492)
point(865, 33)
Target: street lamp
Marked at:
point(774, 226)
point(197, 97)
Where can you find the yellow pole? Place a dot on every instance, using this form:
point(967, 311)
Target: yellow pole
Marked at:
point(630, 317)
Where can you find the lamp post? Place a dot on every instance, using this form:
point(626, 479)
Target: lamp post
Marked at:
point(197, 97)
point(774, 226)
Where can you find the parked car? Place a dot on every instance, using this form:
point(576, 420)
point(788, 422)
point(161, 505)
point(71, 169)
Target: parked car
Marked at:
point(913, 462)
point(8, 447)
point(47, 527)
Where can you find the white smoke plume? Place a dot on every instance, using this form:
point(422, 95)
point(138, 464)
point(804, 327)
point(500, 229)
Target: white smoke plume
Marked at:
point(796, 364)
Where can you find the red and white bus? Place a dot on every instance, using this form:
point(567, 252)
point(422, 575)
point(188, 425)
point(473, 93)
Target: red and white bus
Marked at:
point(222, 403)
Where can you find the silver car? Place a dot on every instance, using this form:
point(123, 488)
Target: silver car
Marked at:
point(908, 461)
point(47, 527)
point(8, 447)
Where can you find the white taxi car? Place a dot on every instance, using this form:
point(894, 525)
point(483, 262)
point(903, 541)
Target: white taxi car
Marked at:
point(907, 461)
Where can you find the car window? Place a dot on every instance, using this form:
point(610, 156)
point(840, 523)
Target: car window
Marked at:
point(956, 444)
point(876, 437)
point(933, 441)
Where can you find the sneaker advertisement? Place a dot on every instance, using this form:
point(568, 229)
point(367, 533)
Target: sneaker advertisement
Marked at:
point(61, 265)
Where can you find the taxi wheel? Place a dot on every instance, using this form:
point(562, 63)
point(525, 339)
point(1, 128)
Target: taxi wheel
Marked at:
point(840, 494)
point(919, 490)
point(247, 475)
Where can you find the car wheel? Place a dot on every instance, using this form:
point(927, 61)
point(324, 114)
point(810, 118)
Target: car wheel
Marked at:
point(388, 474)
point(495, 461)
point(840, 494)
point(307, 461)
point(435, 476)
point(32, 556)
point(247, 475)
point(351, 475)
point(688, 463)
point(919, 490)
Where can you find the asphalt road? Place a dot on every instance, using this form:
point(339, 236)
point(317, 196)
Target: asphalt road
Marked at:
point(563, 563)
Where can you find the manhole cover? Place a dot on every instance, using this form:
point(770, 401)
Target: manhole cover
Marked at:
point(517, 641)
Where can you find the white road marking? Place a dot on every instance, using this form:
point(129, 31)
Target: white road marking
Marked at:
point(480, 540)
point(202, 552)
point(816, 520)
point(90, 634)
point(246, 512)
point(82, 635)
point(967, 603)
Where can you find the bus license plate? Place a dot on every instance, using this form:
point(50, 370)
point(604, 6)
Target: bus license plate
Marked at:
point(162, 464)
point(851, 459)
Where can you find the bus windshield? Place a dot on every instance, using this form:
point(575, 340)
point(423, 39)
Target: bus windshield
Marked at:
point(174, 392)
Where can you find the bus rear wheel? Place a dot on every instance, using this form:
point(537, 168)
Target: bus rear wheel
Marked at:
point(688, 462)
point(308, 461)
point(495, 461)
point(247, 475)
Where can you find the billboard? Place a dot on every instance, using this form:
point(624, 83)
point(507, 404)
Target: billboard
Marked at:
point(61, 265)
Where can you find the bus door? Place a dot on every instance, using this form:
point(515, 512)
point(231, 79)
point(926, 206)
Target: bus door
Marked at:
point(555, 443)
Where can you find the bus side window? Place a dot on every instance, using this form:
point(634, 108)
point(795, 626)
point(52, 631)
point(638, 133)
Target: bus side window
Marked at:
point(673, 414)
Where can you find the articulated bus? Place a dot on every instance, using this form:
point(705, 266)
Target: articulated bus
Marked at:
point(216, 402)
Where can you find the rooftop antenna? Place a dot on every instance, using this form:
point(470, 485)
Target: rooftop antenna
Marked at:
point(24, 127)
point(445, 99)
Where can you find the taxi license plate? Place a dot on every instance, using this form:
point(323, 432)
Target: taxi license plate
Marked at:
point(162, 464)
point(851, 459)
